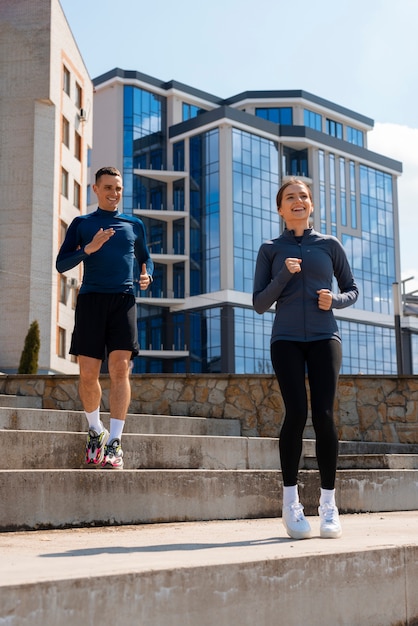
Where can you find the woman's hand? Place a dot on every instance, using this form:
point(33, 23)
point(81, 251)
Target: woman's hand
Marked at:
point(324, 299)
point(293, 265)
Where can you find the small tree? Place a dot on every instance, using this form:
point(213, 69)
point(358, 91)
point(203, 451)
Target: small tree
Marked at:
point(30, 353)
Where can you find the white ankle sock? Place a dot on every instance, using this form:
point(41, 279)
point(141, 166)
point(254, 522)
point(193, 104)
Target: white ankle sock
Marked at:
point(116, 428)
point(93, 419)
point(290, 494)
point(327, 497)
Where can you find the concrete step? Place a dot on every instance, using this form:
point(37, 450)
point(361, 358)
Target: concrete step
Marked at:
point(226, 573)
point(65, 450)
point(31, 449)
point(34, 402)
point(369, 461)
point(74, 498)
point(75, 421)
point(365, 447)
point(174, 476)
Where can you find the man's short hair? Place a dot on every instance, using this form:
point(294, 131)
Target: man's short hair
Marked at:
point(107, 171)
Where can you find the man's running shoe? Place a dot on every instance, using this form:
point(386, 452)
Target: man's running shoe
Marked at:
point(95, 446)
point(113, 455)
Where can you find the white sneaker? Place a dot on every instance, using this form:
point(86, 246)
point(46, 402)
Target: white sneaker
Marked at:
point(330, 527)
point(296, 524)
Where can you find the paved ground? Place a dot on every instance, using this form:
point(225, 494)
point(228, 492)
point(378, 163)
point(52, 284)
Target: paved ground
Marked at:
point(28, 557)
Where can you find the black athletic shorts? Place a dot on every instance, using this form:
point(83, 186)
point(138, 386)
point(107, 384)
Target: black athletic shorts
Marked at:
point(104, 322)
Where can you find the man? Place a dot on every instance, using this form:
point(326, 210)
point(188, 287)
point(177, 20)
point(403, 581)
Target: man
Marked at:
point(107, 242)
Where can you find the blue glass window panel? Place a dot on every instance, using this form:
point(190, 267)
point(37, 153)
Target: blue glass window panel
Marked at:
point(128, 103)
point(278, 115)
point(178, 196)
point(367, 349)
point(335, 129)
point(312, 120)
point(252, 334)
point(178, 156)
point(332, 169)
point(353, 205)
point(204, 206)
point(178, 237)
point(355, 136)
point(178, 282)
point(255, 184)
point(295, 162)
point(343, 201)
point(190, 110)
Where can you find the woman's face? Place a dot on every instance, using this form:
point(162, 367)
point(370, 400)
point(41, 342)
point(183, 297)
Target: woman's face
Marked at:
point(296, 204)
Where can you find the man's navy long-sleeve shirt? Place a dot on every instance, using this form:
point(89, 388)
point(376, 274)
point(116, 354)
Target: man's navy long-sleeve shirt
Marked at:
point(110, 269)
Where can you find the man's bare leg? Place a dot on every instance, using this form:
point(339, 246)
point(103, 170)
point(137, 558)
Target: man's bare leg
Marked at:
point(90, 393)
point(120, 386)
point(119, 399)
point(89, 388)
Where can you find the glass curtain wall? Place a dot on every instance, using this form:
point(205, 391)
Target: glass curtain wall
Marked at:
point(205, 253)
point(369, 245)
point(144, 148)
point(255, 165)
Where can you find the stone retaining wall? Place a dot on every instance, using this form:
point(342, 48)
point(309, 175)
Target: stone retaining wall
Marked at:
point(368, 408)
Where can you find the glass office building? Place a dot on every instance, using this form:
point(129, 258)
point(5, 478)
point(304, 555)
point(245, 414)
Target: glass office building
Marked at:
point(202, 173)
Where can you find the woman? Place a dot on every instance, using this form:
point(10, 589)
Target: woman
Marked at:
point(295, 272)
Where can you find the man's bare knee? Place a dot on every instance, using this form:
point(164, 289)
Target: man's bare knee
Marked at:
point(119, 365)
point(89, 370)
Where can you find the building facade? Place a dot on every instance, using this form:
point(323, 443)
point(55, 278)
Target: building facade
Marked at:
point(45, 99)
point(203, 173)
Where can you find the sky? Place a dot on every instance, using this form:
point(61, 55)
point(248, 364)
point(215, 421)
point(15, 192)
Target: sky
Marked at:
point(360, 54)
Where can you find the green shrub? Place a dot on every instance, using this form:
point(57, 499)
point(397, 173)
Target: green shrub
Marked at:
point(30, 353)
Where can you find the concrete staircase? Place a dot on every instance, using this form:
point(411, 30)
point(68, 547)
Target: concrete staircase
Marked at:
point(191, 477)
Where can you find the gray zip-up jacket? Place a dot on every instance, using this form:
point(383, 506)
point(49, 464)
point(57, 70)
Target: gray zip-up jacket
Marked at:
point(298, 317)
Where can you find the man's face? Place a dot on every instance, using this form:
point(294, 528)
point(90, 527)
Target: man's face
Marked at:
point(108, 191)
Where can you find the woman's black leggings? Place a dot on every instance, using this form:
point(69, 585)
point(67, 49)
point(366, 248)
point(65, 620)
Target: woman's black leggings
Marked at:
point(322, 361)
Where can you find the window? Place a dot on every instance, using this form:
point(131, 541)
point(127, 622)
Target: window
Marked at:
point(64, 182)
point(61, 342)
point(335, 129)
point(278, 115)
point(63, 231)
point(78, 96)
point(295, 162)
point(355, 136)
point(77, 195)
point(343, 194)
point(74, 294)
point(63, 289)
point(312, 120)
point(77, 146)
point(252, 335)
point(66, 80)
point(255, 183)
point(65, 132)
point(190, 110)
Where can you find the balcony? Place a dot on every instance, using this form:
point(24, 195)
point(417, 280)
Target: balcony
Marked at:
point(164, 176)
point(164, 353)
point(162, 214)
